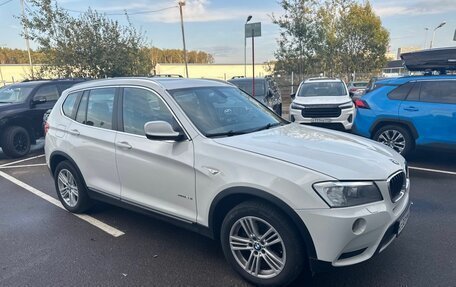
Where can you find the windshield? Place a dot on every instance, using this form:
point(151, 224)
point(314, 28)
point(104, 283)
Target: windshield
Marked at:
point(224, 111)
point(14, 94)
point(247, 86)
point(322, 89)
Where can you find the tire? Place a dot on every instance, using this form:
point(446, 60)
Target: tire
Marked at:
point(15, 141)
point(289, 249)
point(396, 137)
point(75, 199)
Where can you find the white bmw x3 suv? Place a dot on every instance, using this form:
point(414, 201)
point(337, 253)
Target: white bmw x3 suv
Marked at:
point(280, 196)
point(323, 102)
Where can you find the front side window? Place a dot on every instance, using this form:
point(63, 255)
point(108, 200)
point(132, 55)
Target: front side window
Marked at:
point(438, 92)
point(48, 92)
point(322, 89)
point(14, 94)
point(224, 111)
point(141, 106)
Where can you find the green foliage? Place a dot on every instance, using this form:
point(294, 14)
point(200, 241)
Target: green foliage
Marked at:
point(17, 56)
point(169, 56)
point(337, 37)
point(88, 46)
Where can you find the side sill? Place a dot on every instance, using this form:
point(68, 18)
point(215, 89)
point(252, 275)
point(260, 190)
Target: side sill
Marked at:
point(113, 200)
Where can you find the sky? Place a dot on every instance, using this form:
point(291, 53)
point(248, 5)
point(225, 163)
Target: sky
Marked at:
point(217, 26)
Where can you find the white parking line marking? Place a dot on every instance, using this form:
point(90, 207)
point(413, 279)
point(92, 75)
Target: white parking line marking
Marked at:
point(95, 222)
point(433, 170)
point(24, 165)
point(22, 160)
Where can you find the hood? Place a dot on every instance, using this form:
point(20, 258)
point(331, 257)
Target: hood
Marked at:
point(334, 100)
point(336, 154)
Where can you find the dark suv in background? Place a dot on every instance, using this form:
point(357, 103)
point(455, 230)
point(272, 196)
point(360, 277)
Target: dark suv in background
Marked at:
point(22, 107)
point(266, 91)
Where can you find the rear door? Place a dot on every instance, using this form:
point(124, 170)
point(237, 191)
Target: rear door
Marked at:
point(431, 106)
point(91, 140)
point(44, 99)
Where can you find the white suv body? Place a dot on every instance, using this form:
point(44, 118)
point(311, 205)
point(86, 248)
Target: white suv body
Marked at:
point(323, 102)
point(289, 179)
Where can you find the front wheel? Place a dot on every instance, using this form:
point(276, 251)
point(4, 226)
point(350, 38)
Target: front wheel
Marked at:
point(396, 137)
point(261, 244)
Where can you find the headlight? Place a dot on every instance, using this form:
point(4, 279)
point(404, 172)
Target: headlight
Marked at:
point(297, 106)
point(346, 105)
point(343, 194)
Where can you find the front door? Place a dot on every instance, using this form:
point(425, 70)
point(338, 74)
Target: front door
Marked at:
point(158, 175)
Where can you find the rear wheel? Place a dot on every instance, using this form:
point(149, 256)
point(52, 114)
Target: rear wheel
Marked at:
point(262, 245)
point(16, 141)
point(70, 188)
point(396, 137)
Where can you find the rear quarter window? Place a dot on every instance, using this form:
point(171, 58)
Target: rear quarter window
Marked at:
point(401, 92)
point(69, 105)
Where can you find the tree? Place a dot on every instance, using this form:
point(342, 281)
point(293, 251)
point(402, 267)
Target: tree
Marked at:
point(88, 46)
point(336, 37)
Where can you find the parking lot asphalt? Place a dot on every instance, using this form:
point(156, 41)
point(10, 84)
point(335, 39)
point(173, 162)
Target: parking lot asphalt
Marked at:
point(43, 245)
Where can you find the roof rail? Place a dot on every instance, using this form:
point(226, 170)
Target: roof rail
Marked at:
point(167, 76)
point(58, 79)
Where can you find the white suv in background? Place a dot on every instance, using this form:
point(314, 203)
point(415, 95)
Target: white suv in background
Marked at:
point(323, 102)
point(204, 155)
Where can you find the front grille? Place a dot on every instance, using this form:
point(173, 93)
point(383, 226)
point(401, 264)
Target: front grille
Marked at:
point(397, 185)
point(321, 112)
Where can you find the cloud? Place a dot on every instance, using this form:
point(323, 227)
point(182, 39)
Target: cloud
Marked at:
point(421, 7)
point(202, 11)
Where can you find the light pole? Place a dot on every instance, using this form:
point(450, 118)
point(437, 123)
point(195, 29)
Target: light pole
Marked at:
point(425, 36)
point(433, 34)
point(27, 40)
point(245, 46)
point(182, 3)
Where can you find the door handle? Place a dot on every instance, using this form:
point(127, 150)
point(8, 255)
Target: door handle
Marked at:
point(411, 109)
point(124, 145)
point(74, 132)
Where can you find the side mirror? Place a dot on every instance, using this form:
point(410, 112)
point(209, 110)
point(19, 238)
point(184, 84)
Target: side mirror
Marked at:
point(39, 100)
point(293, 96)
point(161, 130)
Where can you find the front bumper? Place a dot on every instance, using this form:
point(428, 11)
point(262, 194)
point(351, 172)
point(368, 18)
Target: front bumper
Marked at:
point(346, 118)
point(333, 235)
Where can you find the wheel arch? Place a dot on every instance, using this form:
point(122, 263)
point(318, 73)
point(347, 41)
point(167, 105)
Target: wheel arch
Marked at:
point(229, 198)
point(379, 123)
point(59, 156)
point(20, 122)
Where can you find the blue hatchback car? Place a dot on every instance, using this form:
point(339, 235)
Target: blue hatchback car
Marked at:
point(410, 111)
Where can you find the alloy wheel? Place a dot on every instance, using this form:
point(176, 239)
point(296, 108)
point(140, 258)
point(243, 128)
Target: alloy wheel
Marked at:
point(257, 247)
point(68, 188)
point(393, 139)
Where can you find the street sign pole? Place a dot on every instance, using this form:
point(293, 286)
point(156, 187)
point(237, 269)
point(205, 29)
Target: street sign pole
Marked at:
point(253, 30)
point(253, 65)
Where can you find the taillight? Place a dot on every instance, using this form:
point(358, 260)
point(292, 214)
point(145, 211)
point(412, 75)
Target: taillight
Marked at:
point(361, 104)
point(353, 90)
point(46, 128)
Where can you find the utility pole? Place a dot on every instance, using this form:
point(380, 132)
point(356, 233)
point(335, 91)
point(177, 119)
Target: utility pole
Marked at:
point(27, 40)
point(182, 3)
point(425, 36)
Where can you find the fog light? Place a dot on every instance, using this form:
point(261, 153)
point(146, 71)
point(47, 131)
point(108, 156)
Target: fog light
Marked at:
point(359, 226)
point(292, 118)
point(350, 118)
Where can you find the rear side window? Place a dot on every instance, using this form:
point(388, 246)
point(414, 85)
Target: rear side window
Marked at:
point(49, 92)
point(68, 105)
point(99, 108)
point(401, 92)
point(438, 92)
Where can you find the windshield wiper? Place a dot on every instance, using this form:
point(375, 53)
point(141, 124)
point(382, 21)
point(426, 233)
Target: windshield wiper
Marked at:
point(235, 133)
point(266, 127)
point(228, 134)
